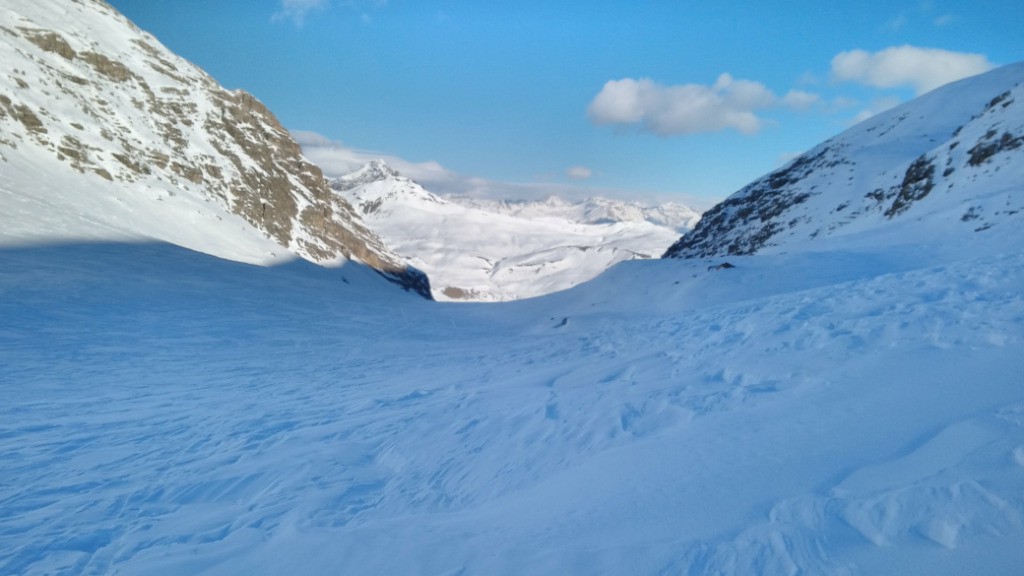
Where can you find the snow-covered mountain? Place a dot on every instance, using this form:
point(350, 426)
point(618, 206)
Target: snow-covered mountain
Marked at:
point(493, 250)
point(107, 134)
point(595, 210)
point(951, 160)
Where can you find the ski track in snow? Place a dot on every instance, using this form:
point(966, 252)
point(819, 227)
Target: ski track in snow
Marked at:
point(166, 412)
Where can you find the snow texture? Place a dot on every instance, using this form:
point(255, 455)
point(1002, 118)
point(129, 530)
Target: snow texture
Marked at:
point(853, 411)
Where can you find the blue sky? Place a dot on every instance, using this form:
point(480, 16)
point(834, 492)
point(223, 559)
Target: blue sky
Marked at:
point(679, 99)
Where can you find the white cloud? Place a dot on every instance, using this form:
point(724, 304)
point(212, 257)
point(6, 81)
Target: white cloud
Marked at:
point(808, 78)
point(841, 102)
point(921, 68)
point(336, 159)
point(800, 99)
point(578, 172)
point(689, 108)
point(309, 138)
point(944, 20)
point(296, 10)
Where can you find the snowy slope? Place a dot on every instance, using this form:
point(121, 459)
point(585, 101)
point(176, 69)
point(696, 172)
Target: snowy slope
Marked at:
point(952, 159)
point(104, 133)
point(857, 410)
point(480, 250)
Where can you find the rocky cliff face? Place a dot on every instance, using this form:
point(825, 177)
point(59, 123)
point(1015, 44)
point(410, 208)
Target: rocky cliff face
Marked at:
point(953, 158)
point(85, 87)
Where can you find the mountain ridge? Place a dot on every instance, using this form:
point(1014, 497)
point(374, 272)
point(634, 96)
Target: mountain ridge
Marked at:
point(91, 92)
point(946, 154)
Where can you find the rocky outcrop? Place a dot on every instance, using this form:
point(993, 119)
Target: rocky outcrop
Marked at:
point(755, 210)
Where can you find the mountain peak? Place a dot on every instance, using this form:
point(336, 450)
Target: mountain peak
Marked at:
point(373, 171)
point(379, 169)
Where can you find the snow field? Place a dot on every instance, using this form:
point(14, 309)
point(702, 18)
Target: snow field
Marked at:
point(854, 412)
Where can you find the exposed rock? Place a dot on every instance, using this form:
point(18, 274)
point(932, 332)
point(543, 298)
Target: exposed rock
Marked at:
point(50, 41)
point(917, 183)
point(112, 69)
point(745, 222)
point(22, 114)
point(989, 146)
point(456, 293)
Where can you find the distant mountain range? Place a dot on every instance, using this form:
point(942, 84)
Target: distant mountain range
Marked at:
point(489, 250)
point(594, 210)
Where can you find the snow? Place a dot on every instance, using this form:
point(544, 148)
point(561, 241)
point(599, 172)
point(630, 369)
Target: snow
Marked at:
point(137, 143)
point(477, 250)
point(594, 210)
point(847, 405)
point(68, 204)
point(854, 410)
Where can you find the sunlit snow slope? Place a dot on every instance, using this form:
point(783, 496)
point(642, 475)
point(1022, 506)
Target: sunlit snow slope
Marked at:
point(487, 250)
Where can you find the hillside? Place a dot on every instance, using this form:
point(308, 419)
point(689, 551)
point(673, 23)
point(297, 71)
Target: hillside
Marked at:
point(108, 135)
point(952, 159)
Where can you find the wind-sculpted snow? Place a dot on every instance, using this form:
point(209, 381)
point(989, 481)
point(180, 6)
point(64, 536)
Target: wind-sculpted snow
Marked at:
point(856, 410)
